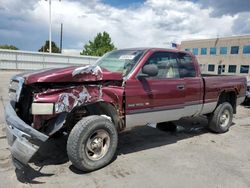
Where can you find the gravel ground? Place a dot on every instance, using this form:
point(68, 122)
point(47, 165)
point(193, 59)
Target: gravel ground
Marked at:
point(146, 157)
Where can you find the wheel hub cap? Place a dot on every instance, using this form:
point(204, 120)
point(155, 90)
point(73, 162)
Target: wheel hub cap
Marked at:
point(224, 118)
point(97, 145)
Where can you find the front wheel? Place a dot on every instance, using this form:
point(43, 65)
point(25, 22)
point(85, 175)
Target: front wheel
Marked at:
point(221, 119)
point(92, 143)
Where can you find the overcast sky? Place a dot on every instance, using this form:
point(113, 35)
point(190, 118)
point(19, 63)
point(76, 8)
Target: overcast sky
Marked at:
point(131, 23)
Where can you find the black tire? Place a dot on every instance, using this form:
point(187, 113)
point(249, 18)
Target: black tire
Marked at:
point(78, 151)
point(221, 119)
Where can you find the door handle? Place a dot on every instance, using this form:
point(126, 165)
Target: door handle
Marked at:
point(180, 87)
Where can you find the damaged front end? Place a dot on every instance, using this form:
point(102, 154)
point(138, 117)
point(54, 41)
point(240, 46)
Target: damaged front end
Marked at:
point(24, 140)
point(51, 107)
point(45, 102)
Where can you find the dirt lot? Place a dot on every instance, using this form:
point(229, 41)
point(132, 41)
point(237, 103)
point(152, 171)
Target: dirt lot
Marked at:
point(146, 157)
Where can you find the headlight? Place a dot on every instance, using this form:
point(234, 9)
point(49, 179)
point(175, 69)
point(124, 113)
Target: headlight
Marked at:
point(42, 108)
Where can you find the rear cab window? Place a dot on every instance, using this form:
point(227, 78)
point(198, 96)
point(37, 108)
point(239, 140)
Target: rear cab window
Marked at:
point(186, 65)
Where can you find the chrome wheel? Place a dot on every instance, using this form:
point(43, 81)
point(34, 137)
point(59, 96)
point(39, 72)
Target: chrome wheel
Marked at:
point(97, 145)
point(224, 118)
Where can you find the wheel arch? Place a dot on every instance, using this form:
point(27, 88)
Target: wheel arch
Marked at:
point(230, 97)
point(103, 108)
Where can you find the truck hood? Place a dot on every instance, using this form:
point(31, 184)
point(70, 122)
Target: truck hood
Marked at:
point(88, 73)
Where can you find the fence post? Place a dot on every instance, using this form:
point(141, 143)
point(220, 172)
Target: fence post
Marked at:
point(43, 61)
point(16, 61)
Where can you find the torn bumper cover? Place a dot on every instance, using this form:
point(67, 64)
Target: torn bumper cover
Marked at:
point(24, 140)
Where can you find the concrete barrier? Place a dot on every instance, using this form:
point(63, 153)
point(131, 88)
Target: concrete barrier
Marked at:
point(24, 60)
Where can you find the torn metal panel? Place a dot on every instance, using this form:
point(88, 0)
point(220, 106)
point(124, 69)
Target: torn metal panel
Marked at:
point(89, 69)
point(76, 97)
point(56, 123)
point(66, 99)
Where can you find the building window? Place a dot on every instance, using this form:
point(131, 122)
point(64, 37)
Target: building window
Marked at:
point(246, 49)
point(244, 69)
point(187, 49)
point(203, 51)
point(232, 68)
point(234, 49)
point(195, 51)
point(211, 68)
point(212, 51)
point(223, 50)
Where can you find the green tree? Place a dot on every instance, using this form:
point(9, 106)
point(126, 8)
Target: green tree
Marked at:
point(45, 47)
point(9, 47)
point(101, 45)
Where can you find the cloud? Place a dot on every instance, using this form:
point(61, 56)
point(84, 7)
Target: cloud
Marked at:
point(223, 7)
point(242, 23)
point(152, 23)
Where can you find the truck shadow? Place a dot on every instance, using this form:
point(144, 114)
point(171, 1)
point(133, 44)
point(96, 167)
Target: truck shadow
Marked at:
point(246, 105)
point(146, 137)
point(53, 152)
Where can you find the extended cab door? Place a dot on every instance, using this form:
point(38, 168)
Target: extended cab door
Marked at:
point(159, 98)
point(193, 91)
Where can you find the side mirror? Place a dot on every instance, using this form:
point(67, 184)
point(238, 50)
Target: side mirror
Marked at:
point(150, 70)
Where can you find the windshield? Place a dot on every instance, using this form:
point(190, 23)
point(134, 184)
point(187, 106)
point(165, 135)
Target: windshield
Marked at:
point(120, 60)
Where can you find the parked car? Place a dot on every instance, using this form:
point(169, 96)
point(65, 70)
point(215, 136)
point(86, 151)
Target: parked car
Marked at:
point(125, 88)
point(247, 100)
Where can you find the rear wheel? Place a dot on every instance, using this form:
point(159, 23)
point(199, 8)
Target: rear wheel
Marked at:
point(221, 119)
point(92, 143)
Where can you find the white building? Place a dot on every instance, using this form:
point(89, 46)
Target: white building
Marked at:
point(227, 55)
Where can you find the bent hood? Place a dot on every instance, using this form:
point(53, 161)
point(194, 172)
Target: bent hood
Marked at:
point(86, 73)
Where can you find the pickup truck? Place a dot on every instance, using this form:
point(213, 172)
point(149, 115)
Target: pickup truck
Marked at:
point(124, 88)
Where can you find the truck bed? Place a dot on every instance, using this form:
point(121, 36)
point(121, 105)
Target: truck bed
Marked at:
point(214, 85)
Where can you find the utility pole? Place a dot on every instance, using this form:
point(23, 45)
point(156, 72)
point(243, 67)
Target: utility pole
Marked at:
point(50, 26)
point(61, 38)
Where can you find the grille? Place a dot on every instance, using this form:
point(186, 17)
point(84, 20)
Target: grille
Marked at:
point(15, 88)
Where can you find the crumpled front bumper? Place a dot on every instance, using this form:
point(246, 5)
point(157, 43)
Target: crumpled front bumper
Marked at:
point(24, 140)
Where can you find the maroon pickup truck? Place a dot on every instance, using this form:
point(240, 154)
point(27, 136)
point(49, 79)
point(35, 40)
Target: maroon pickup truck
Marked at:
point(125, 88)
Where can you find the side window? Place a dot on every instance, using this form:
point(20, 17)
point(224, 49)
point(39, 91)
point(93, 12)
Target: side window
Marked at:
point(166, 63)
point(186, 66)
point(232, 68)
point(244, 69)
point(211, 68)
point(234, 49)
